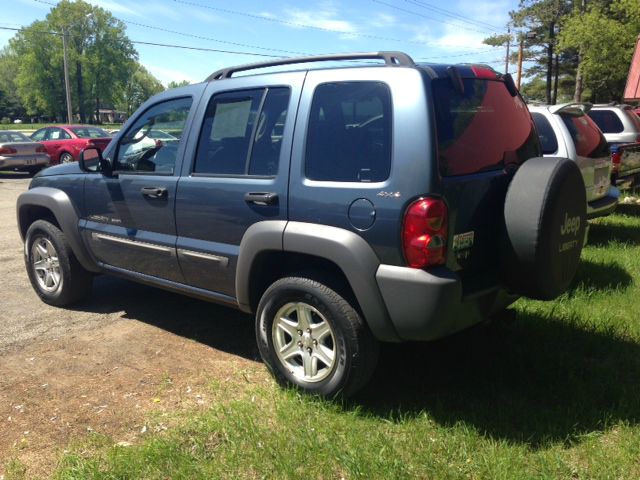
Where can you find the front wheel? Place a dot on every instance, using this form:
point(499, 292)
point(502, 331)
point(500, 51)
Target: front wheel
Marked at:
point(311, 338)
point(54, 272)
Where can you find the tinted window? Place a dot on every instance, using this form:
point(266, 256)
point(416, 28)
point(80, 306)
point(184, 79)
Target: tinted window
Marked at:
point(586, 136)
point(546, 134)
point(89, 132)
point(349, 133)
point(242, 133)
point(607, 121)
point(485, 128)
point(39, 135)
point(7, 137)
point(140, 151)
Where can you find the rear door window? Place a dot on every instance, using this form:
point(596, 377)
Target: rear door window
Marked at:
point(349, 133)
point(546, 134)
point(484, 128)
point(586, 136)
point(607, 121)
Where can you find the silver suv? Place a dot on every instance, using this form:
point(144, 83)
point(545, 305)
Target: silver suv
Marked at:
point(566, 131)
point(618, 123)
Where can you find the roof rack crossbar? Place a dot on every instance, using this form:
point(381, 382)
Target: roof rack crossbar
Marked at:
point(392, 59)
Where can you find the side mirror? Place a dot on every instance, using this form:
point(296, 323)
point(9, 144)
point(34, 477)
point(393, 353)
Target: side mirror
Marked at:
point(91, 161)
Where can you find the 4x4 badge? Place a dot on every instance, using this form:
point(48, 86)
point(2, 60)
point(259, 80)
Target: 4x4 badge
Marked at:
point(389, 194)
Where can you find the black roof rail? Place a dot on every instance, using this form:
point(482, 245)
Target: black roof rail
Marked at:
point(392, 59)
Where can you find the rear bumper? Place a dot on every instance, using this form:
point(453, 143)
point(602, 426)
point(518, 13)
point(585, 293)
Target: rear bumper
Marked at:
point(603, 206)
point(24, 162)
point(429, 305)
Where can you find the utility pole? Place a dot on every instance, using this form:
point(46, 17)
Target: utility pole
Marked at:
point(520, 54)
point(66, 75)
point(506, 59)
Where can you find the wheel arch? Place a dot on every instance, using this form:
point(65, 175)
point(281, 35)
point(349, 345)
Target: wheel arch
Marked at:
point(273, 249)
point(55, 206)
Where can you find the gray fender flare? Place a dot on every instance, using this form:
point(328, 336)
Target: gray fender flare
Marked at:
point(66, 214)
point(350, 252)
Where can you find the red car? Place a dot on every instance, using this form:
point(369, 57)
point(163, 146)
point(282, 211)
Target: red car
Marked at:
point(65, 142)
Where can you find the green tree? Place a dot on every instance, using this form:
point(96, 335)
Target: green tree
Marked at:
point(604, 35)
point(10, 104)
point(174, 84)
point(101, 59)
point(138, 87)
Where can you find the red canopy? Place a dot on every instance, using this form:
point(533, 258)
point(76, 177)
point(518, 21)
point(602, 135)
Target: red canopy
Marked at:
point(632, 90)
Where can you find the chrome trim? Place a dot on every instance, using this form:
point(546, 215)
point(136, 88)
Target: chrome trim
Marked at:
point(222, 261)
point(131, 243)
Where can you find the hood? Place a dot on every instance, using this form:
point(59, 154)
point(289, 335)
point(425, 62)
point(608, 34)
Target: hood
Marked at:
point(71, 168)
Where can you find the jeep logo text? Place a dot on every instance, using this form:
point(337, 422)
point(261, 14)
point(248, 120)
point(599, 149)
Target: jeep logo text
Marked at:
point(571, 225)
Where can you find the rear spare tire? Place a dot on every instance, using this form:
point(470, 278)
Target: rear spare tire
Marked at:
point(545, 218)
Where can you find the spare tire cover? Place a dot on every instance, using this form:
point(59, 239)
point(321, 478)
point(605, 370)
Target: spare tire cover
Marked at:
point(545, 218)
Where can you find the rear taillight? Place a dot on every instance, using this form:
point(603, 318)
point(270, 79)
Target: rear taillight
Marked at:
point(424, 233)
point(41, 149)
point(616, 159)
point(7, 151)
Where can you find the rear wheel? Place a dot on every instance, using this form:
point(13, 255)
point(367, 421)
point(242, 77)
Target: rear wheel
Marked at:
point(54, 272)
point(313, 339)
point(66, 157)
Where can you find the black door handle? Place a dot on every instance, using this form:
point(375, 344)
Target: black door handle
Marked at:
point(154, 192)
point(261, 198)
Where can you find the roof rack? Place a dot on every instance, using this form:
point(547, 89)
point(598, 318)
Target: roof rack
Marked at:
point(392, 59)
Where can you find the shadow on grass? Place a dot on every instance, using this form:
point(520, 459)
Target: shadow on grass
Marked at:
point(533, 382)
point(222, 328)
point(600, 276)
point(628, 209)
point(601, 234)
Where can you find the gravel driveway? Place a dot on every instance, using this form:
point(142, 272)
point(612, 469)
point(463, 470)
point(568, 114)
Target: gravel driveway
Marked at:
point(103, 365)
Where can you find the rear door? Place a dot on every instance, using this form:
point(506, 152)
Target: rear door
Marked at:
point(235, 175)
point(483, 135)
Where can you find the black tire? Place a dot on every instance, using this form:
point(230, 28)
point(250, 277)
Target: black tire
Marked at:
point(545, 219)
point(32, 171)
point(74, 282)
point(355, 349)
point(66, 157)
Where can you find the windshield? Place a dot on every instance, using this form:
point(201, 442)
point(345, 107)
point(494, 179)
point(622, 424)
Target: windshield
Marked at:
point(90, 132)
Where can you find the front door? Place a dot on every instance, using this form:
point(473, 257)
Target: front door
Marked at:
point(129, 217)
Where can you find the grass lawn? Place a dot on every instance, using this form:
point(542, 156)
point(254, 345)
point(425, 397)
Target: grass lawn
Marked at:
point(553, 394)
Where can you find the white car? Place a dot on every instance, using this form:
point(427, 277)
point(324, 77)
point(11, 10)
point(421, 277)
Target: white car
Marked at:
point(567, 131)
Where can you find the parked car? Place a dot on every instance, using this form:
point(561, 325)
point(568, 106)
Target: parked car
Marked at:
point(342, 206)
point(65, 142)
point(618, 123)
point(626, 164)
point(567, 131)
point(19, 153)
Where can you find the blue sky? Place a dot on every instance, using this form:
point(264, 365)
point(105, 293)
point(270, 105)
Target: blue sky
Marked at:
point(428, 30)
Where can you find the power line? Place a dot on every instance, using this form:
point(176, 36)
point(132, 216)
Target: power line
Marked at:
point(449, 13)
point(301, 25)
point(411, 12)
point(168, 45)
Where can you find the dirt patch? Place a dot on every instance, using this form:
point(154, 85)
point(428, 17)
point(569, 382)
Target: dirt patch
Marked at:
point(105, 365)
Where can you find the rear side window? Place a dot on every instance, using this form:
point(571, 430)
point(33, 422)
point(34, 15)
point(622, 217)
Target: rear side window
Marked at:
point(586, 136)
point(349, 133)
point(635, 120)
point(546, 134)
point(485, 128)
point(607, 121)
point(242, 133)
